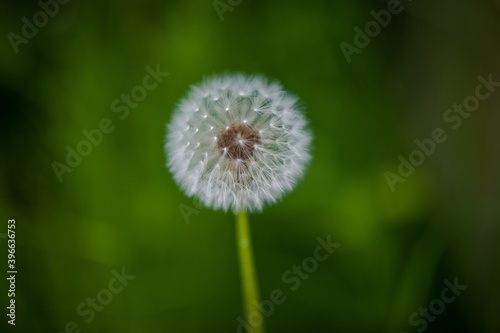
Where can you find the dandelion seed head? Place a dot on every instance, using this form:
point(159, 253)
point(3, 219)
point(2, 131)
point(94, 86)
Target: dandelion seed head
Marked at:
point(248, 147)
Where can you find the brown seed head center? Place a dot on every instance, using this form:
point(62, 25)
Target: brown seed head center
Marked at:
point(238, 141)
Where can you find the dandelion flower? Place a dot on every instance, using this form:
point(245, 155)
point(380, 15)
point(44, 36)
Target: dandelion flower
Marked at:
point(237, 142)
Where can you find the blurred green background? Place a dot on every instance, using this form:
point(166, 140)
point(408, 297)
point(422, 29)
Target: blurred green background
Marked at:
point(120, 208)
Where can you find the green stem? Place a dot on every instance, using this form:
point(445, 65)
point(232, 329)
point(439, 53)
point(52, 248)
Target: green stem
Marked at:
point(247, 270)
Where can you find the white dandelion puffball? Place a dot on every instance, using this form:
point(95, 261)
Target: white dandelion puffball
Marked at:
point(237, 142)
